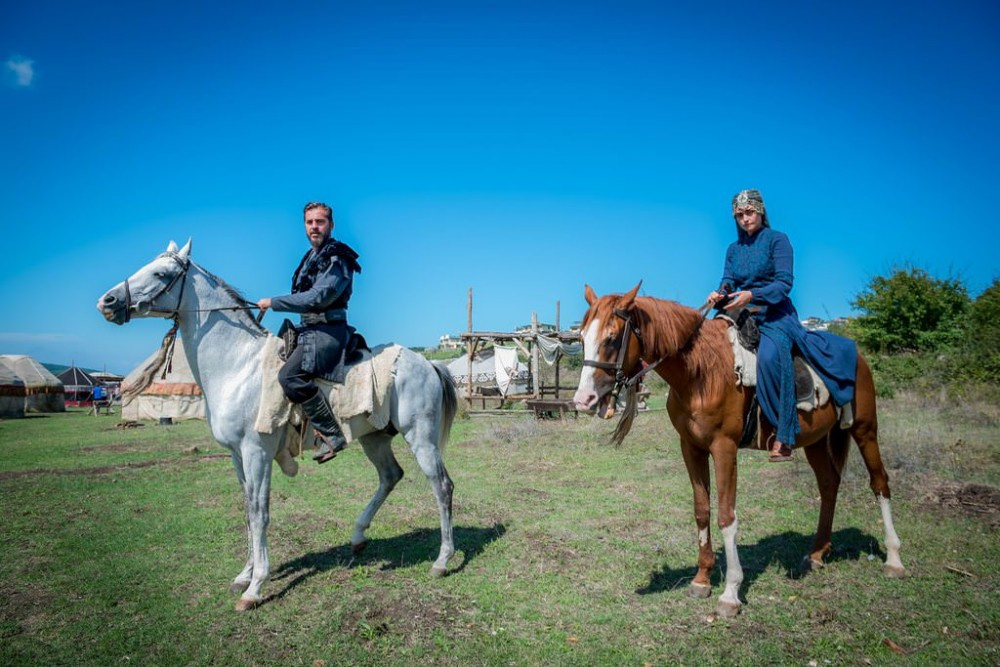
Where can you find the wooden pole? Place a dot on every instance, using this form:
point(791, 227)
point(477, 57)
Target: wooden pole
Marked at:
point(470, 349)
point(534, 354)
point(558, 356)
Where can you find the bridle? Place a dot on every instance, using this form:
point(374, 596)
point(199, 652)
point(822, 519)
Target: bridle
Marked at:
point(165, 357)
point(622, 381)
point(185, 264)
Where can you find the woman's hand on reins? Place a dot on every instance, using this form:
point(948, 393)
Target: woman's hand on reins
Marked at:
point(738, 299)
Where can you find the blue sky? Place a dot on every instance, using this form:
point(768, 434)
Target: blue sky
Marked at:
point(520, 149)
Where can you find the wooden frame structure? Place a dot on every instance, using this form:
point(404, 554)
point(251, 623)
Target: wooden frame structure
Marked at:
point(526, 342)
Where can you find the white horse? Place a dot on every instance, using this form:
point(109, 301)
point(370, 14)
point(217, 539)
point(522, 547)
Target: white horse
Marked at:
point(222, 342)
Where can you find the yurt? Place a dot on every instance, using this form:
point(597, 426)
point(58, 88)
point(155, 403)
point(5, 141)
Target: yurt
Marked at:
point(78, 385)
point(43, 390)
point(12, 393)
point(493, 369)
point(176, 396)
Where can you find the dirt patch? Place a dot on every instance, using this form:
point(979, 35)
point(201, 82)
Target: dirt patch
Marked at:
point(414, 617)
point(25, 610)
point(104, 470)
point(121, 447)
point(967, 500)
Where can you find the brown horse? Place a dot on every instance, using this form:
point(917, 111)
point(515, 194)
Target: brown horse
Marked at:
point(707, 407)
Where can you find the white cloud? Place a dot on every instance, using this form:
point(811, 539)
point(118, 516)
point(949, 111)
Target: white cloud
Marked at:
point(23, 70)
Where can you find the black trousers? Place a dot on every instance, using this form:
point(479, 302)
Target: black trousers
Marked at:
point(325, 344)
point(297, 383)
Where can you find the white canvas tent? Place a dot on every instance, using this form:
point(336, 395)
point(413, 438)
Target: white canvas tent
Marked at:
point(176, 396)
point(12, 393)
point(43, 390)
point(493, 367)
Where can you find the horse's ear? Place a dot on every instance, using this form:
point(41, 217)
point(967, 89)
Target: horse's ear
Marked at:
point(171, 247)
point(589, 294)
point(185, 252)
point(629, 298)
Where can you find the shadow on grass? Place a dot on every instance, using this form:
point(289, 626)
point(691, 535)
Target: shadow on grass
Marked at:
point(788, 549)
point(417, 546)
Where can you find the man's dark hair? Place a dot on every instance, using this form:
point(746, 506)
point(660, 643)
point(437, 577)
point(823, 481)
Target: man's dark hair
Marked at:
point(318, 204)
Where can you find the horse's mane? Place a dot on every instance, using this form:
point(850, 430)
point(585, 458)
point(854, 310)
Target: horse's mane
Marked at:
point(674, 330)
point(236, 296)
point(163, 356)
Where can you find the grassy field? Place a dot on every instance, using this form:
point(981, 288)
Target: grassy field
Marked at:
point(118, 547)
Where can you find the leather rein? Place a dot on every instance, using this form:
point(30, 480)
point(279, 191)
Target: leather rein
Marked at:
point(185, 264)
point(166, 356)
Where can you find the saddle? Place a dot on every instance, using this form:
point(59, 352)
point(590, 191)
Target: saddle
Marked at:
point(353, 351)
point(810, 391)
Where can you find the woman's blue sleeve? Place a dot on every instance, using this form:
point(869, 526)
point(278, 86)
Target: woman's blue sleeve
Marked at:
point(728, 282)
point(778, 289)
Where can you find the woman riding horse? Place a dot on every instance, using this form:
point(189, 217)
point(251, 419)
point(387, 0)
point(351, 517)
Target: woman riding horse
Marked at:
point(758, 274)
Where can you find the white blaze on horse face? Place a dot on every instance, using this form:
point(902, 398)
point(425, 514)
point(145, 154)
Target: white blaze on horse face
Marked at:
point(586, 394)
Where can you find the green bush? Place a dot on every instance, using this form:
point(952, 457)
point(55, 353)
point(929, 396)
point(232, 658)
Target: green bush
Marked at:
point(978, 354)
point(910, 311)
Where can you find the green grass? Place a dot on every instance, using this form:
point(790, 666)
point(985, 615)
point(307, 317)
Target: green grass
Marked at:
point(118, 547)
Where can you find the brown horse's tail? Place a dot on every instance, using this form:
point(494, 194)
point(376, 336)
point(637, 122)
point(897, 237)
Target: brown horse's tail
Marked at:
point(838, 445)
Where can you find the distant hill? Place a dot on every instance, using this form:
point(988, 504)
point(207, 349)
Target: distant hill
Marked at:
point(56, 369)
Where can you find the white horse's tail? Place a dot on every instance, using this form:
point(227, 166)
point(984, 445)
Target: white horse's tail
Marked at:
point(449, 402)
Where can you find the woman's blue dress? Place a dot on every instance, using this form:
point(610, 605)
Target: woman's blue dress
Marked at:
point(762, 263)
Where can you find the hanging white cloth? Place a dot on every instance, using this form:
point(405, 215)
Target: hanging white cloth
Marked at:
point(505, 365)
point(551, 348)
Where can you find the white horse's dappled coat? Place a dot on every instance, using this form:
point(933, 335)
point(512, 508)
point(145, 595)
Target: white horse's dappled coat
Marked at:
point(222, 343)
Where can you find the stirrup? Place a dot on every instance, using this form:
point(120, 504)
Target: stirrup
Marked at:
point(327, 451)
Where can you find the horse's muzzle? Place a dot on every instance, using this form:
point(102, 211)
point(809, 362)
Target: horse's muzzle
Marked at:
point(112, 308)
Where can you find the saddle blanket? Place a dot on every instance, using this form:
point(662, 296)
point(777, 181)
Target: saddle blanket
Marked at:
point(366, 390)
point(811, 392)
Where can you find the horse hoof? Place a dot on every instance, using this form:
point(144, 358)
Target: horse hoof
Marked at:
point(237, 587)
point(438, 572)
point(894, 571)
point(728, 610)
point(699, 591)
point(811, 564)
point(359, 547)
point(246, 604)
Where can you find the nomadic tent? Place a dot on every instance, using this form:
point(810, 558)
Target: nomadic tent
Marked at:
point(496, 368)
point(12, 393)
point(79, 386)
point(43, 390)
point(176, 396)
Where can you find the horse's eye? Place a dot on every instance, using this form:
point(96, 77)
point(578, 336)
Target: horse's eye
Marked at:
point(159, 274)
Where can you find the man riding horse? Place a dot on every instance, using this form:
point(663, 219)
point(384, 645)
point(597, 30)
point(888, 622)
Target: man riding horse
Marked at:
point(321, 287)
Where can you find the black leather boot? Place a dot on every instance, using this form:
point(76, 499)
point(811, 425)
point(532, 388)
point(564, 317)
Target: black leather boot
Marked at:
point(321, 416)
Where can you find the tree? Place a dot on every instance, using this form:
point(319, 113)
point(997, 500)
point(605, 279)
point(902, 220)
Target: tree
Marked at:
point(980, 349)
point(910, 311)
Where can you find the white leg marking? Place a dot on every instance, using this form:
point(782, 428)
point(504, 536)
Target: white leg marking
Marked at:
point(703, 537)
point(734, 573)
point(892, 543)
